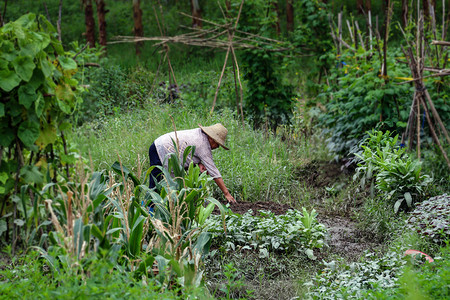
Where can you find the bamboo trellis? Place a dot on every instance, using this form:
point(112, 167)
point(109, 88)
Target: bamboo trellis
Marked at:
point(219, 36)
point(421, 98)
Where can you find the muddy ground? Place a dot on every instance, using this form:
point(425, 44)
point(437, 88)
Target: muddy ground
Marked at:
point(345, 238)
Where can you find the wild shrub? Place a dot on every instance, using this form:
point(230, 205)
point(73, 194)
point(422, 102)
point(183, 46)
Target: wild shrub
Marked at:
point(396, 176)
point(359, 99)
point(269, 101)
point(113, 90)
point(40, 90)
point(199, 90)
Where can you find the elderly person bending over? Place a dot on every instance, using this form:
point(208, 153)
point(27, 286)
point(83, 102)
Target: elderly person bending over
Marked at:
point(205, 139)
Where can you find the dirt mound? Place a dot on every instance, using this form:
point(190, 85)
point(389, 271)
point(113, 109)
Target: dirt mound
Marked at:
point(242, 207)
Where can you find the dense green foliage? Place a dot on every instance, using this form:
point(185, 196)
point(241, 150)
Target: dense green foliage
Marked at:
point(397, 176)
point(361, 99)
point(39, 89)
point(92, 226)
point(26, 278)
point(293, 232)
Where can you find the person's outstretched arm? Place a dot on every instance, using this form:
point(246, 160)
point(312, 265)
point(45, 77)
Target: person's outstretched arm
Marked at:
point(223, 188)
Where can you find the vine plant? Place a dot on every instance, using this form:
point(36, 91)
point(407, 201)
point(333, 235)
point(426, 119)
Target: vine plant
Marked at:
point(38, 91)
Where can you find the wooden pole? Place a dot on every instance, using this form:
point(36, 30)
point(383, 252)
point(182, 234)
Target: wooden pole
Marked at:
point(230, 46)
point(433, 133)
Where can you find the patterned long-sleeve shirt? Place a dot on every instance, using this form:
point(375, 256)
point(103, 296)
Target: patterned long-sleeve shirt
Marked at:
point(192, 137)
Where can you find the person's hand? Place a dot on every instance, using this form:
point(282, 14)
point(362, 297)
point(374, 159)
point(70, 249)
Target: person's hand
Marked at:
point(202, 167)
point(230, 198)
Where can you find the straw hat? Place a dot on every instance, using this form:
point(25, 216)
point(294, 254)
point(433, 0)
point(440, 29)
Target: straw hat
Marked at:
point(217, 132)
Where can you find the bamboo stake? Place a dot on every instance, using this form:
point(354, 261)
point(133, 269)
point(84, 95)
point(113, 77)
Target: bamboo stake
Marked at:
point(360, 36)
point(409, 125)
point(419, 96)
point(240, 86)
point(220, 78)
point(436, 116)
point(433, 133)
point(340, 31)
point(443, 20)
point(370, 29)
point(351, 32)
point(230, 46)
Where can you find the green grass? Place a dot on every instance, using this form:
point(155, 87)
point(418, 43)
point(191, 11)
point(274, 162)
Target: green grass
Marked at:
point(259, 166)
point(27, 277)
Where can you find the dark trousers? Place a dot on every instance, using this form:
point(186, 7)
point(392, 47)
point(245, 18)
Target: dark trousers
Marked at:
point(154, 161)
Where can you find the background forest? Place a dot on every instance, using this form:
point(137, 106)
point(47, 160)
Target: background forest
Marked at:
point(337, 115)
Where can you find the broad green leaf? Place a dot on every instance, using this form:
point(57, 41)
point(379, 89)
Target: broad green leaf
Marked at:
point(3, 64)
point(65, 126)
point(3, 177)
point(310, 254)
point(39, 105)
point(28, 132)
point(8, 80)
point(118, 169)
point(68, 159)
point(3, 226)
point(33, 43)
point(27, 95)
point(6, 134)
point(26, 20)
point(47, 136)
point(408, 199)
point(2, 110)
point(31, 174)
point(46, 67)
point(19, 222)
point(7, 51)
point(65, 108)
point(67, 63)
point(397, 205)
point(78, 236)
point(136, 236)
point(24, 67)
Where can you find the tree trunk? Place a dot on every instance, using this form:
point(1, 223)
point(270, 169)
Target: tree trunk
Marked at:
point(90, 22)
point(368, 5)
point(360, 6)
point(427, 9)
point(290, 15)
point(228, 5)
point(101, 14)
point(2, 14)
point(196, 14)
point(277, 27)
point(138, 28)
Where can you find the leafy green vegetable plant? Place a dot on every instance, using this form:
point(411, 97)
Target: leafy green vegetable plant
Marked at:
point(394, 173)
point(293, 232)
point(431, 219)
point(353, 280)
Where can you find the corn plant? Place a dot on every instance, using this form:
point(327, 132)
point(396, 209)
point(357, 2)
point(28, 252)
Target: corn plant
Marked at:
point(180, 242)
